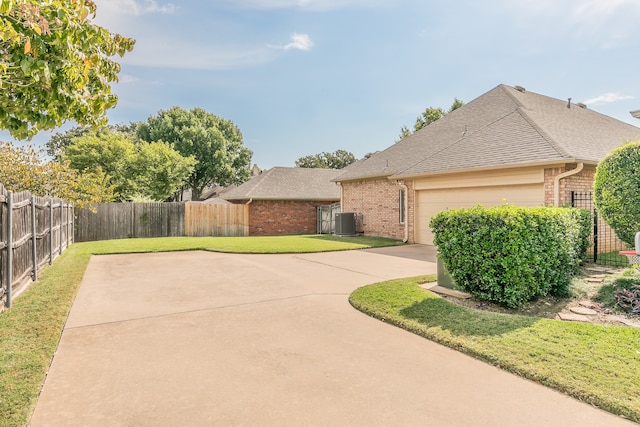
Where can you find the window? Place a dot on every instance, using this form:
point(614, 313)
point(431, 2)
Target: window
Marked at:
point(401, 201)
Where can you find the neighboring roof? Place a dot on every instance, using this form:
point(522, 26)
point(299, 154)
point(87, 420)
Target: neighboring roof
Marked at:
point(506, 126)
point(215, 201)
point(288, 184)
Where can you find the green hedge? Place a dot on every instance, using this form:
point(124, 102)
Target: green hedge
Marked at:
point(617, 191)
point(511, 254)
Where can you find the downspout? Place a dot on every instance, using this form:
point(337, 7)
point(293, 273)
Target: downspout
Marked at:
point(556, 183)
point(402, 185)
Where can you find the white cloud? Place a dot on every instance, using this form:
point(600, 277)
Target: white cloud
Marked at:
point(298, 41)
point(315, 5)
point(172, 53)
point(135, 7)
point(127, 78)
point(608, 98)
point(602, 23)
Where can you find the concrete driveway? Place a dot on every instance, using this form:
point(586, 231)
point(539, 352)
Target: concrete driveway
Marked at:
point(200, 338)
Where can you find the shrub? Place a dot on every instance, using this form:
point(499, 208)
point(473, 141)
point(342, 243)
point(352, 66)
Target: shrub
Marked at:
point(512, 254)
point(617, 191)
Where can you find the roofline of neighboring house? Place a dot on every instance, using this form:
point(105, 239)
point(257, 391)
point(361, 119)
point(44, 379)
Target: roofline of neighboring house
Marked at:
point(506, 166)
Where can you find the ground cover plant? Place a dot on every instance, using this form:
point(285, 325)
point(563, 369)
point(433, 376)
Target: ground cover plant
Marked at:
point(31, 329)
point(597, 364)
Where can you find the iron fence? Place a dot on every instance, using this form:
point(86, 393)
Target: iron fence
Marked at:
point(605, 245)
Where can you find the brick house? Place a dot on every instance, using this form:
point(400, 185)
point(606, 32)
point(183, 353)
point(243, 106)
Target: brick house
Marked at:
point(285, 200)
point(508, 145)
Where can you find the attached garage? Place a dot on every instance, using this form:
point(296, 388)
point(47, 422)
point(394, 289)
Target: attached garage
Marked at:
point(525, 188)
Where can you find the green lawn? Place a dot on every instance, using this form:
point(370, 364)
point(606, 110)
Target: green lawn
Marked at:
point(30, 330)
point(599, 365)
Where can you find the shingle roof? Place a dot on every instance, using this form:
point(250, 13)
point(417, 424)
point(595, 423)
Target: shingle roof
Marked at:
point(281, 183)
point(503, 127)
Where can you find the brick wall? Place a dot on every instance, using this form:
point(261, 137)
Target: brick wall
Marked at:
point(582, 182)
point(378, 200)
point(276, 217)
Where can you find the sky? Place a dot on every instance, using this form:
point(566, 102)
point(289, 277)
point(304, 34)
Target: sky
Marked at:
point(301, 77)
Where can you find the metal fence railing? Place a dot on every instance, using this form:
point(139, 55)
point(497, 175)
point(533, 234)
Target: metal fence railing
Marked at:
point(605, 245)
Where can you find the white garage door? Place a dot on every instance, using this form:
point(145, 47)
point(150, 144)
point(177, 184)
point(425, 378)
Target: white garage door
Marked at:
point(430, 202)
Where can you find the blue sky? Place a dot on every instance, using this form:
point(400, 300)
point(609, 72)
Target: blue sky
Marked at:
point(300, 77)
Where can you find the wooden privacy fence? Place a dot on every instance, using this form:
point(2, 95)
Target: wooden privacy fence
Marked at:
point(33, 232)
point(110, 221)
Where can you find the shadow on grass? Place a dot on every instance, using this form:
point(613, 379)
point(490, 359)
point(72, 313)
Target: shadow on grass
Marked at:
point(463, 321)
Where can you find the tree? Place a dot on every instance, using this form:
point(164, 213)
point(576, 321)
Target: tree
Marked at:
point(60, 140)
point(617, 191)
point(161, 170)
point(55, 65)
point(428, 116)
point(134, 169)
point(337, 160)
point(23, 169)
point(215, 143)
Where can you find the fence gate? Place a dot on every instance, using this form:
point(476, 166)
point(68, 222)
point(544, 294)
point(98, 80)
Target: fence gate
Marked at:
point(605, 244)
point(326, 214)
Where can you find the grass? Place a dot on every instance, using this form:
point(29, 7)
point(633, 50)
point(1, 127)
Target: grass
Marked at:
point(31, 329)
point(245, 245)
point(596, 364)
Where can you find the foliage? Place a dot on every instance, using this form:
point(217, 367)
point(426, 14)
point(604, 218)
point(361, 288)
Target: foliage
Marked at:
point(617, 191)
point(23, 169)
point(215, 143)
point(55, 65)
point(510, 254)
point(428, 116)
point(132, 168)
point(596, 364)
point(337, 160)
point(60, 140)
point(161, 170)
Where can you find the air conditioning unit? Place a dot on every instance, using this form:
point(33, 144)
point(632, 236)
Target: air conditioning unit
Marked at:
point(345, 224)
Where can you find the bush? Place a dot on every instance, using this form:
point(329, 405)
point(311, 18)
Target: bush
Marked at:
point(510, 254)
point(617, 191)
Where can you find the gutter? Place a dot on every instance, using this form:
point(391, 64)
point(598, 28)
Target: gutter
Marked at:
point(249, 202)
point(556, 182)
point(402, 185)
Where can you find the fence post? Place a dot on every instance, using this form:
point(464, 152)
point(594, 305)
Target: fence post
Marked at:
point(34, 232)
point(50, 231)
point(595, 235)
point(61, 222)
point(9, 246)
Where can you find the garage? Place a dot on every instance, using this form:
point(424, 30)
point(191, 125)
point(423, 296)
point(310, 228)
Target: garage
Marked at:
point(430, 202)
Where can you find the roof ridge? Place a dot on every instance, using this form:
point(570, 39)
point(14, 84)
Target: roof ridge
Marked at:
point(521, 109)
point(465, 134)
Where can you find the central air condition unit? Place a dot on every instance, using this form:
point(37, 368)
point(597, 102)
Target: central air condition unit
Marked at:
point(345, 224)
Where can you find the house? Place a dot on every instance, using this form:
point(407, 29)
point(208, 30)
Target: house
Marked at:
point(285, 200)
point(508, 145)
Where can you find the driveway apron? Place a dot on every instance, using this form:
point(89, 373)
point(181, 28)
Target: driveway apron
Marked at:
point(202, 338)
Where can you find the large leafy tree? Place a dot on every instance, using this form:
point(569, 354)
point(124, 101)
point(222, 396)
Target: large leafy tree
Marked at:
point(60, 140)
point(428, 116)
point(337, 160)
point(134, 169)
point(215, 143)
point(617, 191)
point(24, 169)
point(55, 65)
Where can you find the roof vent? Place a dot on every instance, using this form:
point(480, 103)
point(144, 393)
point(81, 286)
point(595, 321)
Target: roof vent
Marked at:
point(582, 105)
point(520, 89)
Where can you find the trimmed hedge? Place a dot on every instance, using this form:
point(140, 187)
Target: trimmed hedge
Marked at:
point(617, 191)
point(511, 254)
